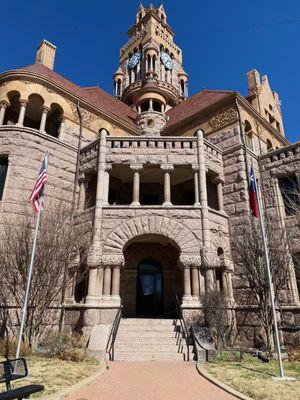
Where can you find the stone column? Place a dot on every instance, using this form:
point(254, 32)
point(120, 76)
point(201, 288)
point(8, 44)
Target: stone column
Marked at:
point(81, 197)
point(136, 184)
point(22, 112)
point(151, 105)
point(94, 256)
point(207, 251)
point(167, 169)
point(115, 291)
point(62, 126)
point(191, 266)
point(138, 70)
point(3, 106)
point(195, 169)
point(107, 281)
point(187, 281)
point(195, 282)
point(219, 182)
point(108, 169)
point(44, 118)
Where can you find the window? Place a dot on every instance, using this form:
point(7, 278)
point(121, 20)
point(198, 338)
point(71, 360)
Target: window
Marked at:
point(269, 145)
point(290, 191)
point(3, 173)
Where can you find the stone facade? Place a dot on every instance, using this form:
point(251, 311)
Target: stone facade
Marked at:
point(162, 177)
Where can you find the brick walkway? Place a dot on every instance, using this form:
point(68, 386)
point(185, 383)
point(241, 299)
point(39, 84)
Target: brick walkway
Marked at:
point(151, 381)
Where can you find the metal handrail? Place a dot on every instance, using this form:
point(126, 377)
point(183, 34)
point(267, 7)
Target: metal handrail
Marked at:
point(110, 348)
point(183, 326)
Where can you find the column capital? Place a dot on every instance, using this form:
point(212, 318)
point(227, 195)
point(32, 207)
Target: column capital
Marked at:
point(190, 261)
point(136, 167)
point(24, 102)
point(112, 261)
point(218, 179)
point(4, 103)
point(167, 167)
point(195, 168)
point(209, 258)
point(108, 168)
point(94, 257)
point(45, 109)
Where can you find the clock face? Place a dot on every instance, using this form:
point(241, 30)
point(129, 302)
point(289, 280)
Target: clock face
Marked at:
point(167, 61)
point(132, 63)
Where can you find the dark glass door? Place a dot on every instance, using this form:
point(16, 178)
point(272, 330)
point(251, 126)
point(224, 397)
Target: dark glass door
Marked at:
point(149, 288)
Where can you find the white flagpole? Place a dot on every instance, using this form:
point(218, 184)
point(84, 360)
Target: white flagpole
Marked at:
point(269, 273)
point(24, 310)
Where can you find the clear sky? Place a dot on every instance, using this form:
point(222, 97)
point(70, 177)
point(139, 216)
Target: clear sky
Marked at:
point(221, 41)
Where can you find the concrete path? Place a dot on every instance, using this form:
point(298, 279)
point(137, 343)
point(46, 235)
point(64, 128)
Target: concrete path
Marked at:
point(151, 381)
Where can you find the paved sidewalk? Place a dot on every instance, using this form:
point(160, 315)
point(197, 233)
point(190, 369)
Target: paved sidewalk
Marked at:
point(151, 381)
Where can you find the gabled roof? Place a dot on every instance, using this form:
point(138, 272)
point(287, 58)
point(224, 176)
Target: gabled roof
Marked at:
point(195, 104)
point(95, 95)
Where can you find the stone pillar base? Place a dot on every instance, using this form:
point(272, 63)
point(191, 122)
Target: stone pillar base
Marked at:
point(191, 302)
point(92, 300)
point(110, 301)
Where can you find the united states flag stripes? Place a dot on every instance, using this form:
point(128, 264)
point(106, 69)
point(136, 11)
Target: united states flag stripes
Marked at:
point(37, 193)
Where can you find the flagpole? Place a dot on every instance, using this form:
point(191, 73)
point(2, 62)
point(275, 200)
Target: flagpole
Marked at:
point(271, 288)
point(24, 310)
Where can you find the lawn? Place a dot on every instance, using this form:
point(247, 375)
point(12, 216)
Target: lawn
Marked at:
point(253, 378)
point(55, 374)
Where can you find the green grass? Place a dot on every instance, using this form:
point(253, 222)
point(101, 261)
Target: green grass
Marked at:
point(55, 374)
point(253, 378)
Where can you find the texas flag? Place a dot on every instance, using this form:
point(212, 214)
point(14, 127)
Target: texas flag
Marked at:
point(253, 194)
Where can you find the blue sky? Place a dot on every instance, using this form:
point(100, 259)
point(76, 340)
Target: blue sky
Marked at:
point(221, 41)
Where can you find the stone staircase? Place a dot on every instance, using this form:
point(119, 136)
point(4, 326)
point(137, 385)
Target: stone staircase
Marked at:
point(145, 339)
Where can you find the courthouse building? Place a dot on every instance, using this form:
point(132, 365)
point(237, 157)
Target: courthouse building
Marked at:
point(162, 182)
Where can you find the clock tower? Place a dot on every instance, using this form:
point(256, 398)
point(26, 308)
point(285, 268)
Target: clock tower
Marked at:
point(150, 77)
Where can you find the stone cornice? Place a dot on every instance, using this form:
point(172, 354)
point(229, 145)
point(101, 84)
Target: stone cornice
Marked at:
point(66, 93)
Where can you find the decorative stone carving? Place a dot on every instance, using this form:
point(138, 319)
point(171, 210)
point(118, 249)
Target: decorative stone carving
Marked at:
point(224, 118)
point(190, 261)
point(112, 260)
point(87, 117)
point(94, 256)
point(209, 258)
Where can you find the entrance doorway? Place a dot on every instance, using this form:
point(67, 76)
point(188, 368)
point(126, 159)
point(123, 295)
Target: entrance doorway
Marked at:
point(149, 288)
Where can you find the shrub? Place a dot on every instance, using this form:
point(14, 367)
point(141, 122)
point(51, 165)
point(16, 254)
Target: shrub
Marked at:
point(64, 346)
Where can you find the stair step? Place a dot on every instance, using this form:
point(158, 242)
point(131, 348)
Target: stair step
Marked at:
point(129, 356)
point(122, 340)
point(137, 327)
point(147, 321)
point(145, 334)
point(145, 348)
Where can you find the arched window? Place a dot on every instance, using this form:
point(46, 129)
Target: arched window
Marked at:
point(13, 110)
point(119, 86)
point(145, 106)
point(182, 88)
point(54, 118)
point(156, 106)
point(248, 135)
point(33, 113)
point(269, 145)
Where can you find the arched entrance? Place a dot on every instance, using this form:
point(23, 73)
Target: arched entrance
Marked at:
point(150, 277)
point(149, 287)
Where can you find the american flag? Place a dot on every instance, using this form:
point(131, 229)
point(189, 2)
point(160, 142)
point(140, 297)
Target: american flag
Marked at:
point(37, 193)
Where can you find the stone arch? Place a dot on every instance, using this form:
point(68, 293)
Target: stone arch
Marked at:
point(173, 230)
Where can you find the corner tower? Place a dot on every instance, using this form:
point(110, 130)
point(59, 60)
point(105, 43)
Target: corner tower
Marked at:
point(150, 77)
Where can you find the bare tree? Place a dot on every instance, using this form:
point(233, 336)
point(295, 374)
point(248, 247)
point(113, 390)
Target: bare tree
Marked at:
point(248, 253)
point(58, 247)
point(216, 317)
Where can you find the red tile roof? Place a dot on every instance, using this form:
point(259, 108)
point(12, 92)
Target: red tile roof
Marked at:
point(193, 105)
point(95, 95)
